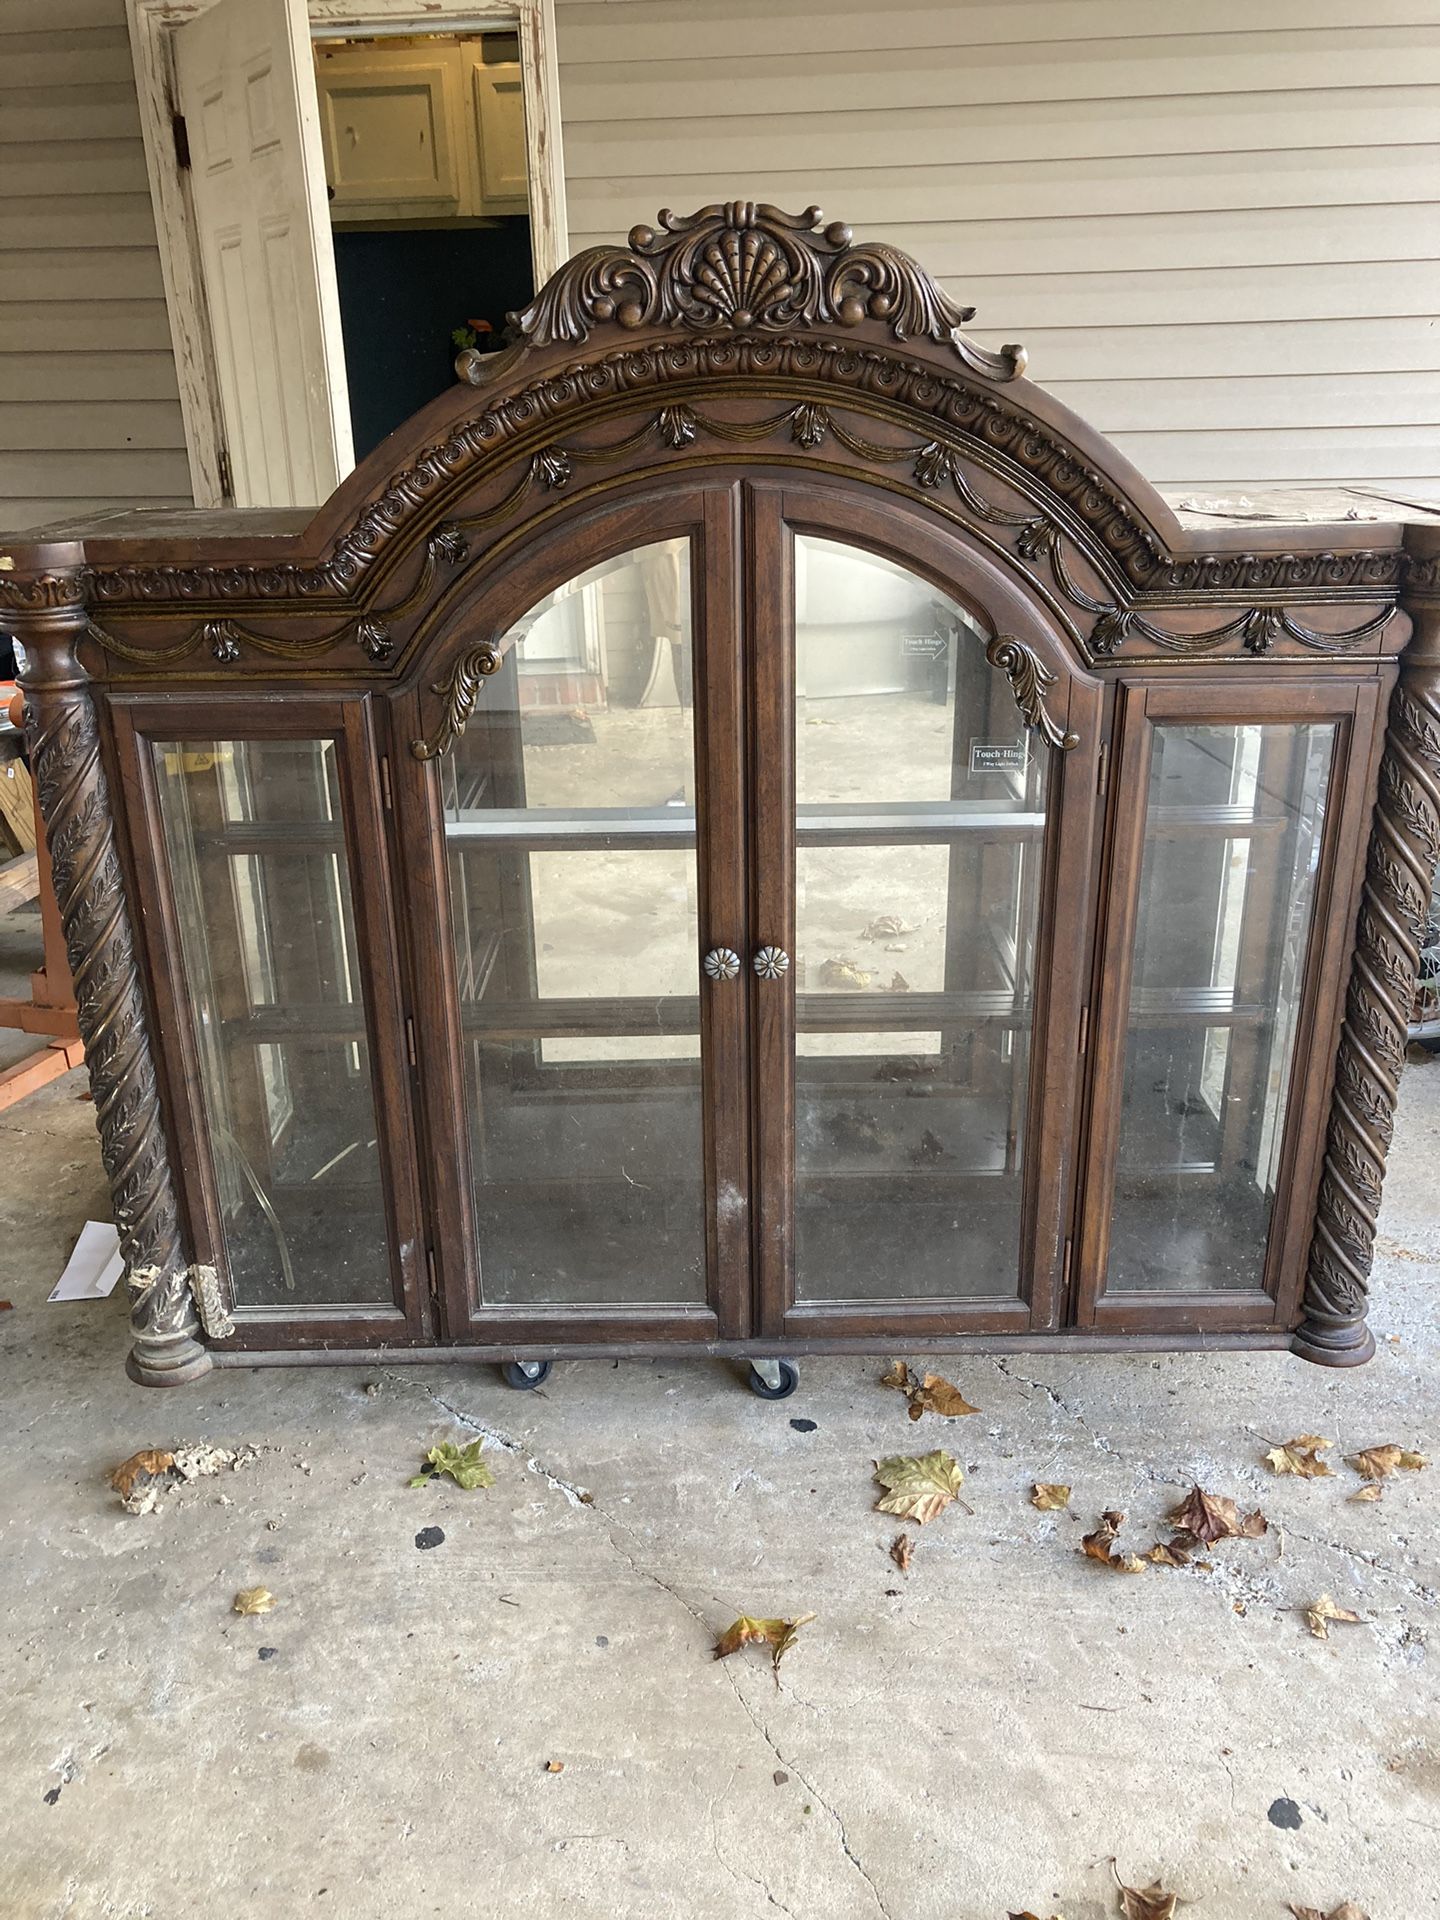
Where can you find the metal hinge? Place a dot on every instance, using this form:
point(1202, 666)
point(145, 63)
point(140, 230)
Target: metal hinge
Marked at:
point(227, 483)
point(180, 134)
point(1102, 778)
point(1065, 1269)
point(430, 1273)
point(386, 793)
point(410, 1050)
point(1084, 1029)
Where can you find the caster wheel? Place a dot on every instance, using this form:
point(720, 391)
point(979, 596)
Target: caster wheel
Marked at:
point(773, 1379)
point(526, 1375)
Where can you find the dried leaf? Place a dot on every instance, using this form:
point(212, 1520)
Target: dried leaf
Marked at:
point(146, 1465)
point(1372, 1491)
point(902, 1551)
point(1347, 1910)
point(463, 1464)
point(936, 1394)
point(1300, 1456)
point(1211, 1517)
point(1048, 1496)
point(1378, 1463)
point(1148, 1903)
point(1027, 1915)
point(255, 1600)
point(778, 1635)
point(1324, 1610)
point(920, 1488)
point(897, 1375)
point(554, 1766)
point(843, 974)
point(1176, 1552)
point(1100, 1545)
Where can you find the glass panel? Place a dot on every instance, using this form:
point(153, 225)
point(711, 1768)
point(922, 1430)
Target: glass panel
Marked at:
point(570, 822)
point(920, 814)
point(1232, 839)
point(255, 838)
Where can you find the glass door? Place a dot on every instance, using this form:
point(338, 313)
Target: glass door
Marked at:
point(606, 1183)
point(918, 840)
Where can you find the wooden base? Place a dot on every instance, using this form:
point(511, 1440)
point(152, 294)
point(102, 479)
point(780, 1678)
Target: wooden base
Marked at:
point(39, 1069)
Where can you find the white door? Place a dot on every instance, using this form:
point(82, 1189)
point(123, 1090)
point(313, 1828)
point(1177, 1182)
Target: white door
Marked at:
point(247, 91)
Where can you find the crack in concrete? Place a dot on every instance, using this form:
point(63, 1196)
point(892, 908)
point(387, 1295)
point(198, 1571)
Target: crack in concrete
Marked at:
point(574, 1496)
point(740, 1875)
point(1427, 1596)
point(582, 1498)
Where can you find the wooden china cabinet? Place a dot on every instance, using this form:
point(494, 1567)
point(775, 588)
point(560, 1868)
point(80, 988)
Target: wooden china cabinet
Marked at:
point(748, 829)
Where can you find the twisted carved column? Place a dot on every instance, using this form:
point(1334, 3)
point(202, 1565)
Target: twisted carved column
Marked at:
point(42, 607)
point(1404, 847)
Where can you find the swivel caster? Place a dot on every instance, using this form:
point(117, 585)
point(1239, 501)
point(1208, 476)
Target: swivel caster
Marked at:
point(773, 1379)
point(526, 1375)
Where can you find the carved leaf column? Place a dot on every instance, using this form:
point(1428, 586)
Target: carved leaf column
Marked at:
point(1404, 848)
point(42, 607)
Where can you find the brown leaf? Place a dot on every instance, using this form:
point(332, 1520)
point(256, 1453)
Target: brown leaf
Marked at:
point(1347, 1910)
point(1372, 1491)
point(1048, 1496)
point(554, 1766)
point(1176, 1552)
point(1027, 1915)
point(149, 1464)
point(918, 1488)
point(1378, 1463)
point(1301, 1456)
point(902, 1550)
point(254, 1600)
point(897, 1375)
point(1148, 1903)
point(1100, 1545)
point(1211, 1517)
point(1322, 1612)
point(778, 1635)
point(936, 1394)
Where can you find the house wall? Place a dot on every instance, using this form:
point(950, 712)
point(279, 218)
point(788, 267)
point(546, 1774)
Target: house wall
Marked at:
point(1222, 247)
point(89, 410)
point(1216, 226)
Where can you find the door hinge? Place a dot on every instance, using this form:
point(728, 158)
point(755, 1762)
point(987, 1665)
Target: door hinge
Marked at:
point(386, 793)
point(1065, 1269)
point(180, 133)
point(411, 1053)
point(434, 1284)
point(1102, 778)
point(1084, 1029)
point(227, 480)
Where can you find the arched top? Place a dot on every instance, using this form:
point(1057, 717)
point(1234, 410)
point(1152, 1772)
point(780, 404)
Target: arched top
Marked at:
point(746, 334)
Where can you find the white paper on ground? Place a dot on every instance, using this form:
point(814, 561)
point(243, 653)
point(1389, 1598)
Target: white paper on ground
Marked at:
point(94, 1267)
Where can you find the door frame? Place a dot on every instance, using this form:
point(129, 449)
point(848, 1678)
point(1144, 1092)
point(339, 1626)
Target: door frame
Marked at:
point(776, 511)
point(152, 25)
point(706, 513)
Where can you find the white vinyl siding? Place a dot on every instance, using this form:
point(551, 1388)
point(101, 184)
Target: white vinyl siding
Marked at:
point(1215, 226)
point(89, 408)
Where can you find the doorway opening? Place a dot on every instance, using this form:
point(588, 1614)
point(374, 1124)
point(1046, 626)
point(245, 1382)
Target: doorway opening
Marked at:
point(428, 192)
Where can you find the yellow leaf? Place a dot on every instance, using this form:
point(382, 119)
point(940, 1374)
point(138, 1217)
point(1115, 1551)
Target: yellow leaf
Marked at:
point(1100, 1545)
point(1048, 1496)
point(778, 1635)
point(1322, 1612)
point(1300, 1456)
point(1372, 1491)
point(255, 1600)
point(936, 1394)
point(1378, 1463)
point(917, 1489)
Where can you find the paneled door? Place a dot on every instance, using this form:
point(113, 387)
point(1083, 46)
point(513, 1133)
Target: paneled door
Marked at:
point(921, 856)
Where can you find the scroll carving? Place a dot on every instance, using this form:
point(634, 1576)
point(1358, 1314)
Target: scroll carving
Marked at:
point(459, 690)
point(1030, 680)
point(1404, 849)
point(741, 266)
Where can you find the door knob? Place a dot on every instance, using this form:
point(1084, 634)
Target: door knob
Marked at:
point(771, 962)
point(722, 963)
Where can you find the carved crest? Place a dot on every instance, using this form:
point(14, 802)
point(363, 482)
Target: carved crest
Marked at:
point(745, 267)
